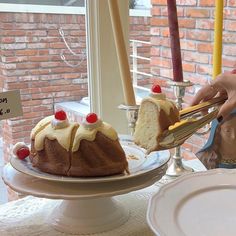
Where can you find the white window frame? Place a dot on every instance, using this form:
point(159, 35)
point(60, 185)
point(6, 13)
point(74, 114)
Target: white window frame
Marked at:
point(105, 88)
point(31, 8)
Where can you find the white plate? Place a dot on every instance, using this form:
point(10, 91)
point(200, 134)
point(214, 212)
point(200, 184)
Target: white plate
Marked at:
point(139, 165)
point(198, 204)
point(39, 187)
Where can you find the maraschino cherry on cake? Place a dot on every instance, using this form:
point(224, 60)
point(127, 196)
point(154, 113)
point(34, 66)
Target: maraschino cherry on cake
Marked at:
point(67, 148)
point(155, 115)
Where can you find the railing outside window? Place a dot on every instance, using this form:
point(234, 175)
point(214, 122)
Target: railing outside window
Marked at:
point(135, 44)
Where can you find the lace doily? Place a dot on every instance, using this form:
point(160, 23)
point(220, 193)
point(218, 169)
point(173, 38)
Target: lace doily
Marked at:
point(28, 216)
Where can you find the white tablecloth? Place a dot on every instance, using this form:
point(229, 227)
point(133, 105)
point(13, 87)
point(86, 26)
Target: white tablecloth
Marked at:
point(28, 216)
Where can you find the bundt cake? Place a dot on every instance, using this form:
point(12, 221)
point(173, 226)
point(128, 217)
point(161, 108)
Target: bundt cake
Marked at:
point(64, 148)
point(155, 115)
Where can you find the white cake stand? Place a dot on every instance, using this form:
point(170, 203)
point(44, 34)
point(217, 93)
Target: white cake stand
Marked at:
point(86, 208)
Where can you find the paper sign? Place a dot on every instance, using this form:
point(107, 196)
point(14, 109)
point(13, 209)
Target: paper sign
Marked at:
point(10, 105)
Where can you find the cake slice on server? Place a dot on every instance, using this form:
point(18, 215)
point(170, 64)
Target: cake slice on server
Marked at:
point(155, 115)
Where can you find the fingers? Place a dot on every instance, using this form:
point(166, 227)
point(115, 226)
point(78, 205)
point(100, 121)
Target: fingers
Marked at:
point(204, 94)
point(226, 109)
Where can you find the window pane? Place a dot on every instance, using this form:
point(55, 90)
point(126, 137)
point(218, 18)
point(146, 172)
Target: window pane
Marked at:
point(140, 46)
point(79, 3)
point(44, 56)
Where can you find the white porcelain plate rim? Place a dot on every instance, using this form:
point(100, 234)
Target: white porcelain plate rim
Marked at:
point(137, 166)
point(181, 190)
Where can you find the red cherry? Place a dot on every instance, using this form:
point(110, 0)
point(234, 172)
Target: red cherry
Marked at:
point(60, 115)
point(156, 88)
point(22, 153)
point(91, 118)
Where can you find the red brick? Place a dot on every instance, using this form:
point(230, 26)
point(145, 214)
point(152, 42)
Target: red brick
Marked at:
point(155, 51)
point(180, 11)
point(230, 25)
point(231, 3)
point(158, 2)
point(205, 24)
point(165, 63)
point(230, 13)
point(159, 22)
point(229, 50)
point(187, 2)
point(14, 33)
point(156, 11)
point(199, 35)
point(7, 39)
point(26, 52)
point(197, 13)
point(188, 45)
point(206, 3)
point(229, 62)
point(204, 69)
point(187, 67)
point(195, 57)
point(187, 23)
point(205, 47)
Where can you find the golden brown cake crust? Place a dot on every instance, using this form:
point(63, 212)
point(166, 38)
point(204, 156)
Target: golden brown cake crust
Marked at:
point(167, 119)
point(101, 157)
point(53, 159)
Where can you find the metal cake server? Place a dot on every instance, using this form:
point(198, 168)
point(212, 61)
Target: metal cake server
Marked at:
point(191, 120)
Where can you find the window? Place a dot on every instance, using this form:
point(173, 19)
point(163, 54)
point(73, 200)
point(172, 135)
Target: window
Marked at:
point(80, 3)
point(140, 47)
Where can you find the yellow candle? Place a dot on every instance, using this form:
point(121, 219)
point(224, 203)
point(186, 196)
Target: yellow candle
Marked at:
point(121, 53)
point(218, 28)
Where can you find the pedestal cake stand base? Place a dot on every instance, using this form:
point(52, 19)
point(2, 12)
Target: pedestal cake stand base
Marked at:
point(91, 216)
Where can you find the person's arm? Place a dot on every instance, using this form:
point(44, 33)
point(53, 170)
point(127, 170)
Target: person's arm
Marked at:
point(223, 84)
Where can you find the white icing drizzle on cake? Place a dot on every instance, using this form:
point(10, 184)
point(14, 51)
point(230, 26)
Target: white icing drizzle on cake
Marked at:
point(160, 100)
point(45, 129)
point(41, 125)
point(63, 136)
point(89, 131)
point(59, 124)
point(159, 96)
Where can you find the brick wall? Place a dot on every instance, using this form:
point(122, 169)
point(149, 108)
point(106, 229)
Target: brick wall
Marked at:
point(196, 22)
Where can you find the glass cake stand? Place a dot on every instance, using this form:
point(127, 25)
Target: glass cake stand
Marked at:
point(88, 204)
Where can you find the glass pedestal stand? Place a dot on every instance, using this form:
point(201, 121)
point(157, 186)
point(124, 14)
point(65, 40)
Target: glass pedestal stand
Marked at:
point(177, 167)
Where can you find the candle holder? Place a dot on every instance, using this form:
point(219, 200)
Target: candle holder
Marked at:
point(131, 114)
point(177, 167)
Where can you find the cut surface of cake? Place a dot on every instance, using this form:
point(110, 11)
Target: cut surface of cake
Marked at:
point(88, 150)
point(156, 114)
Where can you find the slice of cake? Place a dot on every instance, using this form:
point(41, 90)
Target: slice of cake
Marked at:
point(96, 150)
point(51, 144)
point(155, 115)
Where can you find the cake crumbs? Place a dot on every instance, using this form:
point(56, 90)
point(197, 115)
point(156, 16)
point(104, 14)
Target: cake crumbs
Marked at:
point(132, 157)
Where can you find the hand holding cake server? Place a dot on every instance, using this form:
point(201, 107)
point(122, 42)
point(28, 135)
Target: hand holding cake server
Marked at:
point(223, 85)
point(221, 91)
